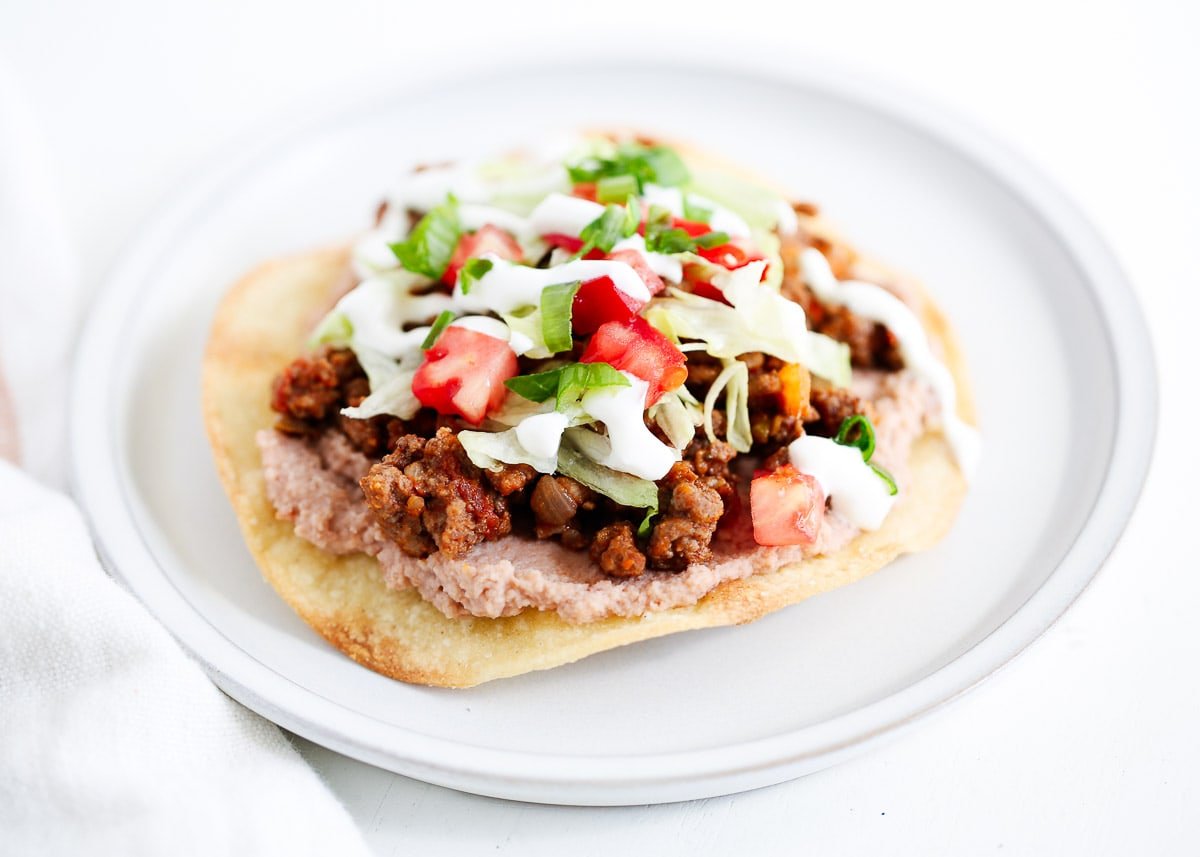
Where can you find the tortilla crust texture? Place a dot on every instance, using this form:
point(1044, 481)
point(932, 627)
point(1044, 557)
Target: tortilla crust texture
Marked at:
point(262, 324)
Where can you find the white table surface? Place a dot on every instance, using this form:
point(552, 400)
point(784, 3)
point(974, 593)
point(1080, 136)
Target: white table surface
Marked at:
point(1088, 743)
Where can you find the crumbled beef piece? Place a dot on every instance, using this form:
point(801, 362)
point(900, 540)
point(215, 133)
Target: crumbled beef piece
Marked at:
point(690, 510)
point(428, 496)
point(308, 389)
point(615, 550)
point(511, 478)
point(832, 406)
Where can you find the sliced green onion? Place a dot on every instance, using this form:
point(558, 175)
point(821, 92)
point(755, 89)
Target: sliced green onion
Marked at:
point(556, 316)
point(617, 222)
point(536, 388)
point(567, 384)
point(430, 246)
point(578, 379)
point(712, 239)
point(857, 431)
point(644, 164)
point(439, 324)
point(472, 272)
point(886, 477)
point(615, 188)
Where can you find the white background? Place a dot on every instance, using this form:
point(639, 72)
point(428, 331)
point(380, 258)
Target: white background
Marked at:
point(1088, 743)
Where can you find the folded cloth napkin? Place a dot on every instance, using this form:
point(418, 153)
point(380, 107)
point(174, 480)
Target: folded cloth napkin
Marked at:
point(112, 740)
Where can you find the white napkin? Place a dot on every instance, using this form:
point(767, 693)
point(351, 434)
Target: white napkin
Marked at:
point(112, 740)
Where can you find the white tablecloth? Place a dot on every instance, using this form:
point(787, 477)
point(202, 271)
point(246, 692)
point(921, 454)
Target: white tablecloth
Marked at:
point(1087, 744)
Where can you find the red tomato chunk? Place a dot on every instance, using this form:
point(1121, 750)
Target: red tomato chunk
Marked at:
point(464, 373)
point(635, 347)
point(787, 507)
point(489, 239)
point(599, 301)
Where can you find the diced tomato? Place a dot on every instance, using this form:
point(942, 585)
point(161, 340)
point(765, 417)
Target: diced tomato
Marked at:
point(599, 301)
point(567, 242)
point(489, 239)
point(734, 254)
point(585, 190)
point(694, 278)
point(636, 347)
point(464, 373)
point(786, 507)
point(571, 244)
point(638, 262)
point(691, 227)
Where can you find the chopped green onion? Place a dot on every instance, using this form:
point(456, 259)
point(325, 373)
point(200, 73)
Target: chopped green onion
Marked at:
point(567, 384)
point(556, 316)
point(535, 388)
point(864, 435)
point(472, 272)
point(430, 246)
point(617, 222)
point(644, 164)
point(580, 378)
point(439, 324)
point(886, 477)
point(712, 239)
point(616, 188)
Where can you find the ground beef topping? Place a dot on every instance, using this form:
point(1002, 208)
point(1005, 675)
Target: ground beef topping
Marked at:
point(427, 495)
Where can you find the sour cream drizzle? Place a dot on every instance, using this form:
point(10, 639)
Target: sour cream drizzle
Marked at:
point(880, 305)
point(633, 448)
point(508, 286)
point(855, 491)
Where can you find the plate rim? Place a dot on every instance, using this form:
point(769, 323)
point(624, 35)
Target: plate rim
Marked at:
point(640, 778)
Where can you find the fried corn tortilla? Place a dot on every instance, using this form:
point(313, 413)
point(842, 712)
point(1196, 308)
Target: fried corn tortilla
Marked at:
point(264, 321)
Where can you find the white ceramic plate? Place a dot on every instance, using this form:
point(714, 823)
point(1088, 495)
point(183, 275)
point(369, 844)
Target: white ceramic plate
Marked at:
point(1058, 353)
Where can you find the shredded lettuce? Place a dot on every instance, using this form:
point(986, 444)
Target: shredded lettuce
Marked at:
point(429, 247)
point(735, 381)
point(576, 458)
point(393, 397)
point(678, 413)
point(489, 450)
point(334, 329)
point(760, 320)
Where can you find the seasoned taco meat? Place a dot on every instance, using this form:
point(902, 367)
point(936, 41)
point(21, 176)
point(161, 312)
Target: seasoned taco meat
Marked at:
point(615, 550)
point(427, 495)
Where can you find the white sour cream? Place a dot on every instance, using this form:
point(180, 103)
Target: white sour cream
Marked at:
point(541, 434)
point(633, 448)
point(494, 327)
point(379, 307)
point(856, 492)
point(562, 214)
point(880, 305)
point(508, 286)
